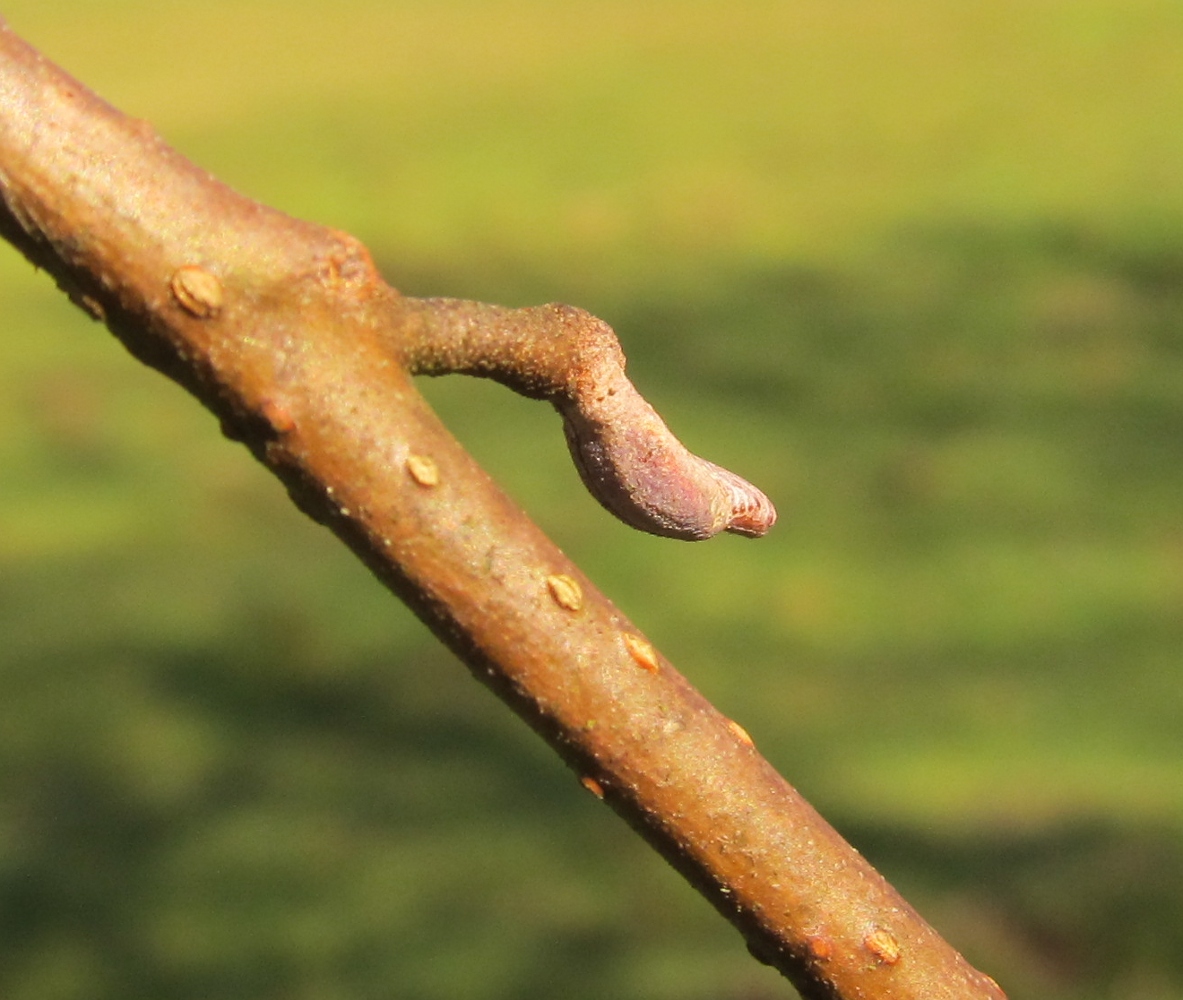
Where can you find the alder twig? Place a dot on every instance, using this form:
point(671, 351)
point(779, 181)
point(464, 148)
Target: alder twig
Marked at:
point(627, 457)
point(287, 333)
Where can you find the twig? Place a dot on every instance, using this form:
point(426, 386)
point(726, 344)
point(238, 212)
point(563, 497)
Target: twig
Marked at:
point(625, 453)
point(287, 333)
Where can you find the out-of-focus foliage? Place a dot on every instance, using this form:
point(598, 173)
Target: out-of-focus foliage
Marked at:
point(914, 268)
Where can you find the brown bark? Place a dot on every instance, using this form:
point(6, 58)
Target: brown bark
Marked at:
point(287, 333)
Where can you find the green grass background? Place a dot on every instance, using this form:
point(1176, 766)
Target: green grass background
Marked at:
point(916, 268)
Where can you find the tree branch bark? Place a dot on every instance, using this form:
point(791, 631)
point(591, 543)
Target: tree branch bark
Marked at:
point(287, 333)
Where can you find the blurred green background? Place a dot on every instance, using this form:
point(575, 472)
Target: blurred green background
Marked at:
point(915, 268)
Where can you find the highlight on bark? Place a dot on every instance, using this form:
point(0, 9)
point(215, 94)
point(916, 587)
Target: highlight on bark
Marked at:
point(627, 457)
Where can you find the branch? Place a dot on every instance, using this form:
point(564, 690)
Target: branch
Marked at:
point(287, 333)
